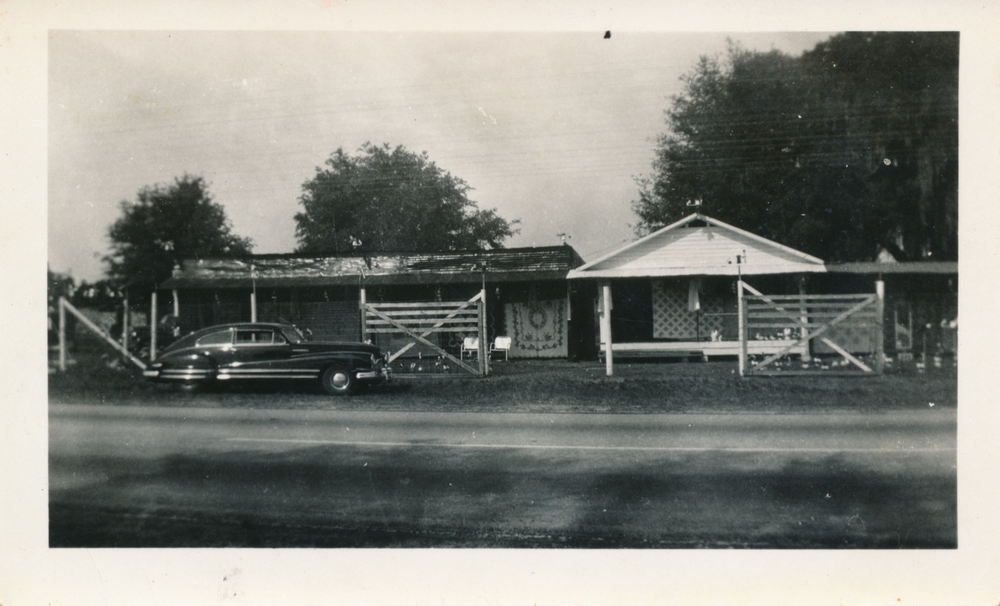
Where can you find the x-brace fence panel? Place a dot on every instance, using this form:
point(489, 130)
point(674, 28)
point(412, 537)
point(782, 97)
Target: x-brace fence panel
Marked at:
point(418, 321)
point(799, 319)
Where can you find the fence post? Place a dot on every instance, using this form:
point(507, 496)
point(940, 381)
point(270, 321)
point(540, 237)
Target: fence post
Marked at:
point(363, 306)
point(126, 322)
point(742, 327)
point(483, 348)
point(804, 318)
point(62, 335)
point(880, 326)
point(152, 327)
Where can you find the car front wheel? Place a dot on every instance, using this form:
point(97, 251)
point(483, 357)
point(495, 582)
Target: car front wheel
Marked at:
point(337, 381)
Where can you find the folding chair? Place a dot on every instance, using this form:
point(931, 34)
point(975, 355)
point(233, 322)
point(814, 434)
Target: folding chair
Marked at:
point(470, 345)
point(501, 344)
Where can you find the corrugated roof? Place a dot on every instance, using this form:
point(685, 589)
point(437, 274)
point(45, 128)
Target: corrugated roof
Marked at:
point(502, 265)
point(902, 267)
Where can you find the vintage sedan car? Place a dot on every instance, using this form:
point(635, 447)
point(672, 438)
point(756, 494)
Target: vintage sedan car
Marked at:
point(255, 351)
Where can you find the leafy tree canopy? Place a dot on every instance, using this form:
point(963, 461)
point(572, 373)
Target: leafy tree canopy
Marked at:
point(852, 147)
point(385, 199)
point(102, 295)
point(168, 223)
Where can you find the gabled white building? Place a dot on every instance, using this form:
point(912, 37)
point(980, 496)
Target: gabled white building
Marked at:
point(673, 292)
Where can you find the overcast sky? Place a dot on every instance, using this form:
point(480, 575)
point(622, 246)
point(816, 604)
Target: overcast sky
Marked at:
point(548, 128)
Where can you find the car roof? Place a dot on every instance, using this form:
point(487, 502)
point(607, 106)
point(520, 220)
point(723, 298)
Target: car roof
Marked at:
point(185, 340)
point(217, 327)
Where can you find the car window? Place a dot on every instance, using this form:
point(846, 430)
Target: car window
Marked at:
point(255, 336)
point(292, 334)
point(224, 337)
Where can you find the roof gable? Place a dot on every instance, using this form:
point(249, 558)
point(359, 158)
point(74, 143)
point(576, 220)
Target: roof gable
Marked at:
point(700, 245)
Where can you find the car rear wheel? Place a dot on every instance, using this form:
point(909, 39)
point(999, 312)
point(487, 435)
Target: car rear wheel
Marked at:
point(337, 381)
point(192, 387)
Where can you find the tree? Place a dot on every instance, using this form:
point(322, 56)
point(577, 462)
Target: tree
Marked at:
point(384, 199)
point(166, 224)
point(847, 149)
point(102, 295)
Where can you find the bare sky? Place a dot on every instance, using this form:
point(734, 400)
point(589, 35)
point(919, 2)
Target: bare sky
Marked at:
point(548, 128)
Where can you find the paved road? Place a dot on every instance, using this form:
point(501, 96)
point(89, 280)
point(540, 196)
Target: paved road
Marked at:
point(146, 476)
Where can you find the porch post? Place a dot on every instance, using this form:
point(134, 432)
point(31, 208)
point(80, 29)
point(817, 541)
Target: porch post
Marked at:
point(152, 326)
point(880, 326)
point(741, 328)
point(253, 304)
point(177, 305)
point(606, 326)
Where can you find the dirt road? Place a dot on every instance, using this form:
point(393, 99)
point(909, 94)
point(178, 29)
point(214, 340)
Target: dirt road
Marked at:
point(148, 476)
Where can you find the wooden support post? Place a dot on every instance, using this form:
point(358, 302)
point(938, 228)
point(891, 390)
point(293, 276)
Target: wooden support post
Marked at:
point(571, 344)
point(126, 312)
point(253, 304)
point(62, 334)
point(177, 305)
point(152, 327)
point(606, 327)
point(363, 302)
point(484, 363)
point(880, 326)
point(804, 318)
point(741, 328)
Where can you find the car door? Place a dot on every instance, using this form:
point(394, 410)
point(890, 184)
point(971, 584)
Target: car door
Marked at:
point(264, 353)
point(214, 349)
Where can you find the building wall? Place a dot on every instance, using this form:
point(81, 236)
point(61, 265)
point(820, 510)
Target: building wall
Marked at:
point(536, 315)
point(331, 314)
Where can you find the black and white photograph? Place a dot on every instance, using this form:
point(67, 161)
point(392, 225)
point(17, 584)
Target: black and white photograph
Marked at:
point(623, 307)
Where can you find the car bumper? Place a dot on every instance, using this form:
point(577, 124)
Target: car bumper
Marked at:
point(378, 376)
point(177, 374)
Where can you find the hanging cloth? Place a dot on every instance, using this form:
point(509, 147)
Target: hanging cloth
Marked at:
point(694, 303)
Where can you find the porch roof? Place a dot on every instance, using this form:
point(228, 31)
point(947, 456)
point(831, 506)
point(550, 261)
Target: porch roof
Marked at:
point(901, 267)
point(699, 245)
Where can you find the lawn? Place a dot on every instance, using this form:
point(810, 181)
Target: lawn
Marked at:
point(542, 386)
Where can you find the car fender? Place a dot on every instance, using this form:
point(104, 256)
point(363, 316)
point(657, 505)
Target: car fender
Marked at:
point(189, 366)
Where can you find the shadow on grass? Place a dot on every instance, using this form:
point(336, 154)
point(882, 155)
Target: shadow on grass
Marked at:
point(539, 386)
point(346, 497)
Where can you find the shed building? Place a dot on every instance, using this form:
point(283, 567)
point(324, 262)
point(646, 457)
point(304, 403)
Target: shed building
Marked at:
point(528, 296)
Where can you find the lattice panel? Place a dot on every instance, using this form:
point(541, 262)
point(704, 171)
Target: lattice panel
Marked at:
point(711, 307)
point(671, 318)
